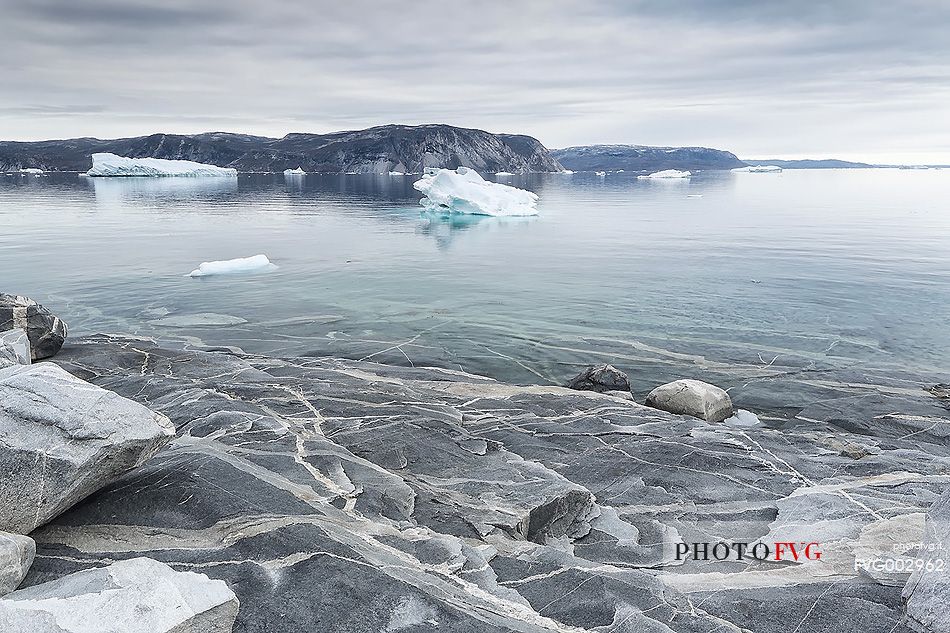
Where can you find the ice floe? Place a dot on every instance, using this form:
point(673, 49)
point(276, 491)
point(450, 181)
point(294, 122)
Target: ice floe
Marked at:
point(295, 172)
point(758, 169)
point(667, 173)
point(105, 164)
point(743, 419)
point(232, 266)
point(462, 190)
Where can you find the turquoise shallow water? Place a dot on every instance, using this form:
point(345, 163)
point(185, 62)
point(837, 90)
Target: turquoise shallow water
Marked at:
point(807, 269)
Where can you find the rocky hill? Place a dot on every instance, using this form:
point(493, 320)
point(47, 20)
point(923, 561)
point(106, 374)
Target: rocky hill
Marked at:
point(373, 150)
point(644, 158)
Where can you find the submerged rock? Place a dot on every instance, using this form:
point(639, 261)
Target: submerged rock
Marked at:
point(692, 397)
point(45, 330)
point(927, 592)
point(14, 348)
point(16, 556)
point(139, 595)
point(64, 439)
point(600, 378)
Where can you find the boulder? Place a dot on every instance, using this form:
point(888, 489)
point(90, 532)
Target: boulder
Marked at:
point(600, 378)
point(14, 348)
point(44, 329)
point(63, 439)
point(139, 595)
point(16, 556)
point(927, 592)
point(692, 397)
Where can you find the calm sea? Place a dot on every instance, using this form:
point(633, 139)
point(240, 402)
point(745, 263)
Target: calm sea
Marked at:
point(718, 276)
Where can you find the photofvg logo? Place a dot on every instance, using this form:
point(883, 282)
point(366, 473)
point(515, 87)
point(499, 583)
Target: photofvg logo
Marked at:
point(786, 551)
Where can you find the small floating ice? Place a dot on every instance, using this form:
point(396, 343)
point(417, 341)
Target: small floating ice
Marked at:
point(667, 173)
point(600, 173)
point(111, 165)
point(295, 172)
point(743, 419)
point(232, 266)
point(566, 172)
point(397, 173)
point(33, 171)
point(462, 190)
point(759, 169)
point(503, 173)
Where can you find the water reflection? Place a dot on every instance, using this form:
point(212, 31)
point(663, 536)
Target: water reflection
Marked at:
point(110, 189)
point(445, 228)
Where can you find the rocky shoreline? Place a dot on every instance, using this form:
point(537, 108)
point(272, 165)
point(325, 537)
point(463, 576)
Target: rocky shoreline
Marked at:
point(338, 495)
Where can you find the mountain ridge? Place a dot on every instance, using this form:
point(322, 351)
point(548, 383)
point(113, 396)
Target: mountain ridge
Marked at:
point(379, 149)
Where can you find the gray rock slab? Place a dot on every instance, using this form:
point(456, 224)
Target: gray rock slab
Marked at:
point(14, 348)
point(16, 556)
point(46, 331)
point(927, 592)
point(139, 595)
point(63, 439)
point(441, 501)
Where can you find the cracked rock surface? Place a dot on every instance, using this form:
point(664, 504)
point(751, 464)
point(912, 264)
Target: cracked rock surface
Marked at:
point(340, 495)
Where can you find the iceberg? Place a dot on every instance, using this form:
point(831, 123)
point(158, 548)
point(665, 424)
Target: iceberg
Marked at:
point(600, 173)
point(667, 173)
point(32, 171)
point(503, 173)
point(462, 190)
point(295, 172)
point(231, 266)
point(111, 165)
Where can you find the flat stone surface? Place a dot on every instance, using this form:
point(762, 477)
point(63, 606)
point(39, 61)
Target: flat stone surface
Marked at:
point(692, 397)
point(927, 592)
point(63, 439)
point(139, 595)
point(16, 556)
point(46, 331)
point(14, 348)
point(341, 495)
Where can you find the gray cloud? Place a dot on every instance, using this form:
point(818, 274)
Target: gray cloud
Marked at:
point(846, 78)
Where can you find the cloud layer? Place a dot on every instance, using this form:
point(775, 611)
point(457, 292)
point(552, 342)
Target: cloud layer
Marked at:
point(848, 78)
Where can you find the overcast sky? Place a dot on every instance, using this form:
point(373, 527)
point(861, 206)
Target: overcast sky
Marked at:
point(858, 79)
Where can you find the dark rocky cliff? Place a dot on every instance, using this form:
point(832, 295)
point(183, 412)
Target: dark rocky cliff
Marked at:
point(374, 150)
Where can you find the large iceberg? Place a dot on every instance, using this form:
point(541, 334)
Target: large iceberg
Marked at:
point(231, 266)
point(295, 172)
point(462, 190)
point(667, 173)
point(111, 165)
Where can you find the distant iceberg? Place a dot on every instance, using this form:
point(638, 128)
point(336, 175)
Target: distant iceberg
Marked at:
point(667, 173)
point(759, 168)
point(600, 173)
point(32, 171)
point(503, 173)
point(295, 172)
point(112, 165)
point(463, 191)
point(231, 266)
